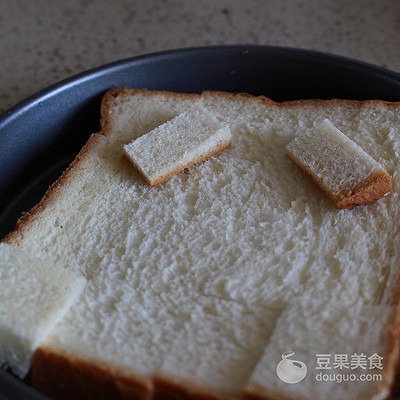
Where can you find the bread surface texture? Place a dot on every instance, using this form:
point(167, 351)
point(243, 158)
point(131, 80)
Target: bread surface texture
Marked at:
point(195, 288)
point(188, 139)
point(34, 297)
point(343, 170)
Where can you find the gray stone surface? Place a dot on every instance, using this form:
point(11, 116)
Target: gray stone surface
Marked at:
point(44, 41)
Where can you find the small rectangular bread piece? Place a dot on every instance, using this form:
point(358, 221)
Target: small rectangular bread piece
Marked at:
point(343, 170)
point(190, 138)
point(34, 296)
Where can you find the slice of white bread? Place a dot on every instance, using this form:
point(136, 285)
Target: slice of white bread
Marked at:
point(188, 139)
point(34, 296)
point(191, 285)
point(343, 170)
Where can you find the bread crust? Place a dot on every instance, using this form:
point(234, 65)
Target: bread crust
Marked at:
point(312, 103)
point(243, 96)
point(372, 189)
point(67, 378)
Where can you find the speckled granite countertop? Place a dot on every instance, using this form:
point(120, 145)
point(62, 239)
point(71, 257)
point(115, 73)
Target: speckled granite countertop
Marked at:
point(44, 41)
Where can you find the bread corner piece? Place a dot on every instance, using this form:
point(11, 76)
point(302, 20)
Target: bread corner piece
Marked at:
point(188, 139)
point(34, 296)
point(342, 169)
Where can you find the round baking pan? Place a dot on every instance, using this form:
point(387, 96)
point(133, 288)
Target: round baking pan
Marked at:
point(41, 135)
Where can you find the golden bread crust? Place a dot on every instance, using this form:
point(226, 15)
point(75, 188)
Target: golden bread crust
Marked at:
point(66, 378)
point(372, 189)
